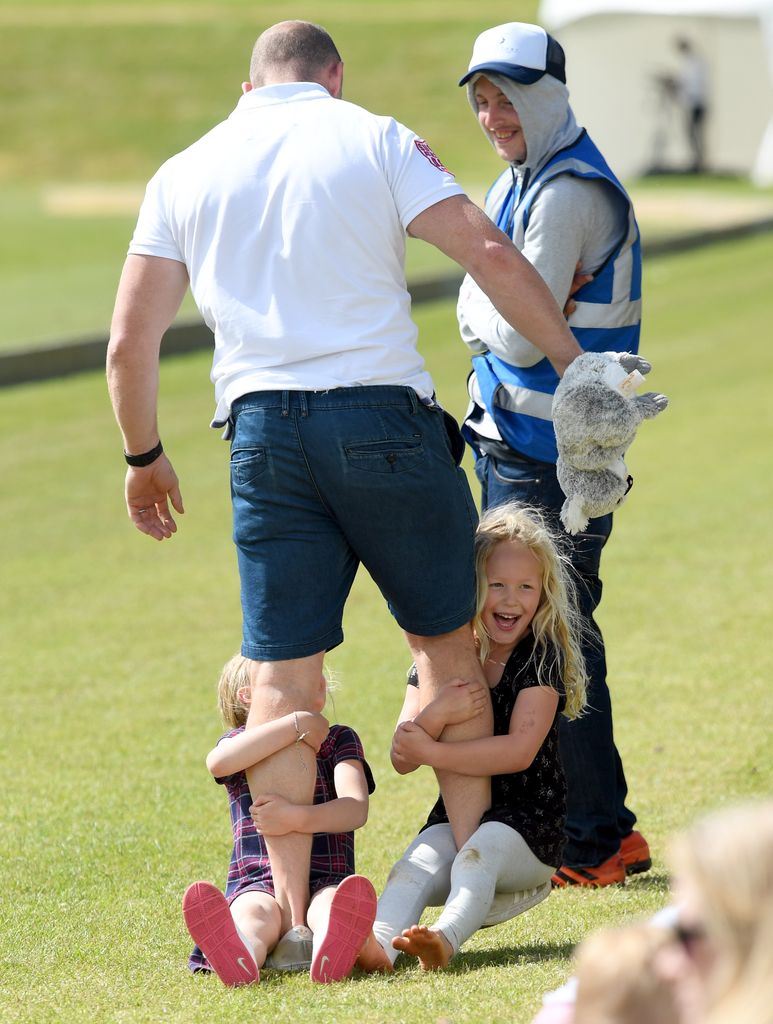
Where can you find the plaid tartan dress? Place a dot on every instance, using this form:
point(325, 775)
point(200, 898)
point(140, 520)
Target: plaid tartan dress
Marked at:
point(332, 853)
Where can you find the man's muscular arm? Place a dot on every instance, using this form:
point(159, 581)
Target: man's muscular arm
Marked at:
point(149, 294)
point(463, 231)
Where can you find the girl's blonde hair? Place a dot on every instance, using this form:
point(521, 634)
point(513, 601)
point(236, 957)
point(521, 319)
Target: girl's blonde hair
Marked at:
point(557, 623)
point(235, 676)
point(618, 979)
point(727, 859)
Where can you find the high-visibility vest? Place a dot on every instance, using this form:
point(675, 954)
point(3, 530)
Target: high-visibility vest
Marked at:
point(607, 317)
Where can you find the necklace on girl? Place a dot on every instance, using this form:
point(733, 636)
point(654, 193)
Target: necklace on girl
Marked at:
point(495, 662)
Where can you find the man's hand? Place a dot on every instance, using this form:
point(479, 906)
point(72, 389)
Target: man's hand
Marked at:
point(459, 701)
point(411, 745)
point(313, 727)
point(578, 281)
point(275, 816)
point(148, 492)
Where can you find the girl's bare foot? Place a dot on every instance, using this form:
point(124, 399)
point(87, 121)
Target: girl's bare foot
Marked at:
point(372, 957)
point(432, 948)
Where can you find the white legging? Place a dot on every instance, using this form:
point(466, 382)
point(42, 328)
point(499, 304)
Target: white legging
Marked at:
point(492, 878)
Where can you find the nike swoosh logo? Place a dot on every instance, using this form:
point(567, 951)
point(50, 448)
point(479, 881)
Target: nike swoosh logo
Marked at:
point(323, 961)
point(244, 966)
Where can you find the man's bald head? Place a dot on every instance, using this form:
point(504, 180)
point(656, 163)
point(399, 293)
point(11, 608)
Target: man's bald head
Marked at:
point(293, 51)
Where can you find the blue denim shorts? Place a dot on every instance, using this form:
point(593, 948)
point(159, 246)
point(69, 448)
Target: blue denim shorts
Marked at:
point(321, 481)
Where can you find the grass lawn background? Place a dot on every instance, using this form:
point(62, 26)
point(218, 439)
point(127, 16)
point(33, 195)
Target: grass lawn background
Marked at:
point(111, 646)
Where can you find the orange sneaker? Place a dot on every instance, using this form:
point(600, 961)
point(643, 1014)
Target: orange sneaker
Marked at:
point(635, 852)
point(610, 872)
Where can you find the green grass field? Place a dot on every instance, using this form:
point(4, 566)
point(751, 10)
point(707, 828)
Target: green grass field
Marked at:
point(111, 646)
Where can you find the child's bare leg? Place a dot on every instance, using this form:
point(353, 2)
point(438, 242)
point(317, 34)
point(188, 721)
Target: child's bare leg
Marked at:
point(319, 908)
point(259, 920)
point(432, 948)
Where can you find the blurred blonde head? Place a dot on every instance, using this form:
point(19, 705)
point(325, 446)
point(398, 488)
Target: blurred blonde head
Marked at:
point(723, 881)
point(557, 621)
point(619, 980)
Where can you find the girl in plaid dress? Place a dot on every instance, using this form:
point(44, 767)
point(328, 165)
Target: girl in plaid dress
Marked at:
point(236, 932)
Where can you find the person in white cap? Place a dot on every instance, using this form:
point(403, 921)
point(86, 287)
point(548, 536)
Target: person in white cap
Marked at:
point(570, 216)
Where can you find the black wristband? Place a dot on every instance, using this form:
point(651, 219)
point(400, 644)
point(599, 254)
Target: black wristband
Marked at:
point(146, 458)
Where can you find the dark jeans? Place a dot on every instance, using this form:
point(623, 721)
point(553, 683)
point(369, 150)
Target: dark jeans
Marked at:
point(597, 817)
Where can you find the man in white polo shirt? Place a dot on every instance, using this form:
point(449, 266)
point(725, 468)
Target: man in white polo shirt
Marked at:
point(288, 220)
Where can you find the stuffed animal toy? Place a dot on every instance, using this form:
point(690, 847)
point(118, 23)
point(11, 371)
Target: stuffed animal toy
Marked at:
point(596, 413)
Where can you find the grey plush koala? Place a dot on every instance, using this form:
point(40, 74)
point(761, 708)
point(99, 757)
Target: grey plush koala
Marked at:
point(596, 414)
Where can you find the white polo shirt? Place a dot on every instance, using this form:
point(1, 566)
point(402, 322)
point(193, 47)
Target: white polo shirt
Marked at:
point(290, 217)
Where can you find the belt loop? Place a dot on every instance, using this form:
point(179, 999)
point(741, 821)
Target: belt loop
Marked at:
point(303, 402)
point(414, 401)
point(285, 403)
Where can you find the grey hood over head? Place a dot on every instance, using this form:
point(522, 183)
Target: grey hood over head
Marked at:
point(547, 121)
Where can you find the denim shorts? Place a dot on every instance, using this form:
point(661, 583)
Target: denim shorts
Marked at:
point(321, 481)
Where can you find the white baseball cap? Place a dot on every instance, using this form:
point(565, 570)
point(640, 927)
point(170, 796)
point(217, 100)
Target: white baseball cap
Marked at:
point(519, 51)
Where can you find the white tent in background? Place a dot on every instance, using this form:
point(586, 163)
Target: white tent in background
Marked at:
point(617, 54)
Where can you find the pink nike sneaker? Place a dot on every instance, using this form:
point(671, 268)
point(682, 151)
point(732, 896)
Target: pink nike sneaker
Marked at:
point(352, 914)
point(208, 919)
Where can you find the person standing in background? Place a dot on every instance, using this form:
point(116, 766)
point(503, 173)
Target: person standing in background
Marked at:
point(692, 92)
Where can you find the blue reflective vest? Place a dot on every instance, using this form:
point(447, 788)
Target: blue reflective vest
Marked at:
point(607, 318)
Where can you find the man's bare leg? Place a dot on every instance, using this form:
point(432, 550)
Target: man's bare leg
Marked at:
point(439, 659)
point(432, 948)
point(278, 688)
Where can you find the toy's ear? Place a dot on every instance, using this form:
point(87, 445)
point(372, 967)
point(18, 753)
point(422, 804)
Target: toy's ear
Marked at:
point(630, 362)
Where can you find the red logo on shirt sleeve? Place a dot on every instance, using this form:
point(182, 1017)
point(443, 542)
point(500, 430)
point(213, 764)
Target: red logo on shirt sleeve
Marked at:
point(428, 154)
